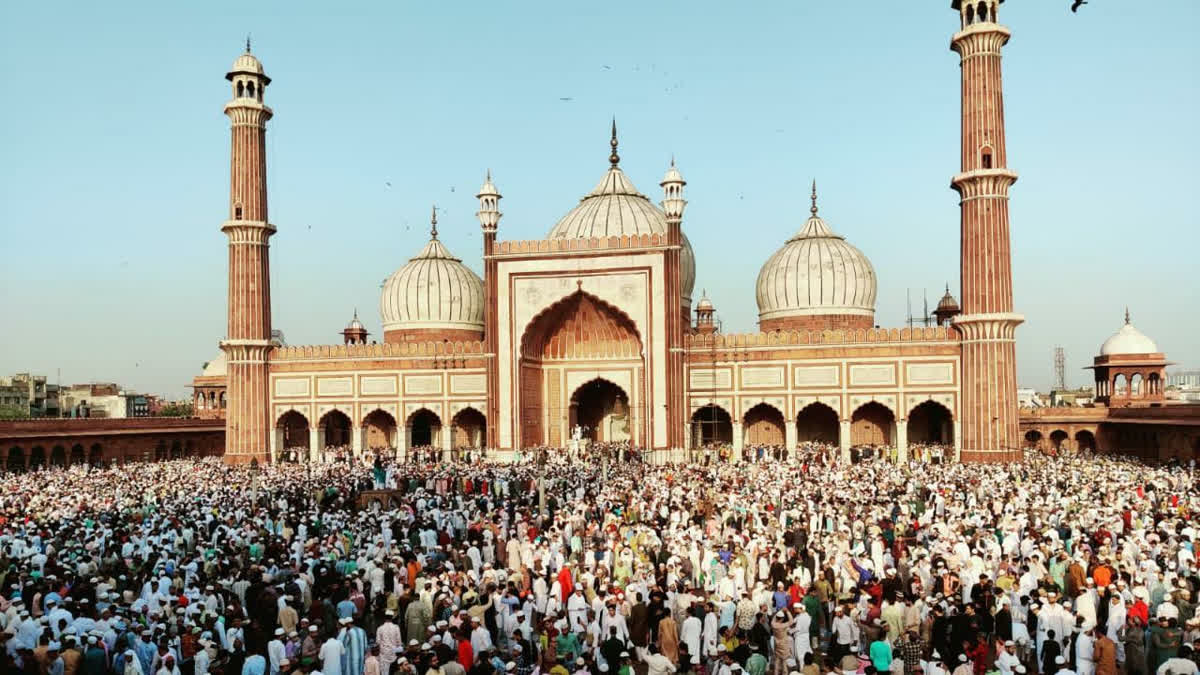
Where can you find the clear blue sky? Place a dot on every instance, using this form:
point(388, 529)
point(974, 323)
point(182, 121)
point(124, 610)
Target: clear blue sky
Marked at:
point(114, 179)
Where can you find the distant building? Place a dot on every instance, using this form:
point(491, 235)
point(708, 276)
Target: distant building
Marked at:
point(1184, 379)
point(1028, 397)
point(1063, 398)
point(30, 393)
point(99, 399)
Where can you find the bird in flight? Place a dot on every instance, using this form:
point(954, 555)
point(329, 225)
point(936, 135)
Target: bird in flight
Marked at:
point(1075, 5)
point(565, 98)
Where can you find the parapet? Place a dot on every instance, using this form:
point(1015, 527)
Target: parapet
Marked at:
point(378, 349)
point(827, 337)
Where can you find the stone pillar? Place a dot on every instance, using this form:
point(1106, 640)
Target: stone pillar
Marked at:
point(356, 442)
point(445, 435)
point(957, 442)
point(844, 440)
point(402, 443)
point(791, 437)
point(276, 444)
point(738, 444)
point(314, 442)
point(902, 441)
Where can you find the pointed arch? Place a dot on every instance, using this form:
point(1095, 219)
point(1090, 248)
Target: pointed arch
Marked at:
point(930, 422)
point(581, 325)
point(335, 426)
point(763, 425)
point(711, 425)
point(871, 424)
point(295, 430)
point(600, 408)
point(77, 455)
point(470, 428)
point(817, 422)
point(379, 428)
point(424, 427)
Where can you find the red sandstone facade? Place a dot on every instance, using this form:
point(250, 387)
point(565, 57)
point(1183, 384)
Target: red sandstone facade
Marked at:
point(817, 322)
point(29, 444)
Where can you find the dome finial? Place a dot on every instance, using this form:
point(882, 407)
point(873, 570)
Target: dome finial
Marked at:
point(614, 158)
point(813, 210)
point(247, 43)
point(1126, 315)
point(433, 222)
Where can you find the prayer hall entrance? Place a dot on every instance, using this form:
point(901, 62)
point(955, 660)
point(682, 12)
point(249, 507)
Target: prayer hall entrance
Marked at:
point(582, 374)
point(599, 412)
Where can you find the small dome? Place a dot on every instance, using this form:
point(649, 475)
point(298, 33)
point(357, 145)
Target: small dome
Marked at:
point(434, 290)
point(616, 208)
point(355, 324)
point(247, 64)
point(705, 303)
point(947, 303)
point(1128, 340)
point(217, 367)
point(816, 273)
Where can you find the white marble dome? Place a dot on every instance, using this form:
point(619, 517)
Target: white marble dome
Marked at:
point(615, 208)
point(218, 367)
point(1128, 340)
point(246, 63)
point(816, 273)
point(434, 290)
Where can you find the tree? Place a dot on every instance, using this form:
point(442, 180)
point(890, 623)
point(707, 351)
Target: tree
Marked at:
point(178, 409)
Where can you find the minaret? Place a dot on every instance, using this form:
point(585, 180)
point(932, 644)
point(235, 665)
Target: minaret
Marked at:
point(489, 219)
point(987, 324)
point(248, 334)
point(673, 204)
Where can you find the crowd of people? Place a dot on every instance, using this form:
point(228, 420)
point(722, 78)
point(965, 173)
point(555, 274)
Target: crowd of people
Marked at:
point(1081, 565)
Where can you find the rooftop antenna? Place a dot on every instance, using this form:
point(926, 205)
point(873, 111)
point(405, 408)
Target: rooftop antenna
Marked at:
point(908, 302)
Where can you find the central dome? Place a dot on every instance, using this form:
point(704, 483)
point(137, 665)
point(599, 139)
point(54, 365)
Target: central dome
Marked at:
point(433, 297)
point(817, 281)
point(615, 208)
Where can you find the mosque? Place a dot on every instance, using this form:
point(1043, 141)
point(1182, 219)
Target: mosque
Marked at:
point(594, 331)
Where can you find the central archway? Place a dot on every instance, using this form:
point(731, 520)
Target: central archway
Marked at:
point(579, 329)
point(600, 409)
point(817, 423)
